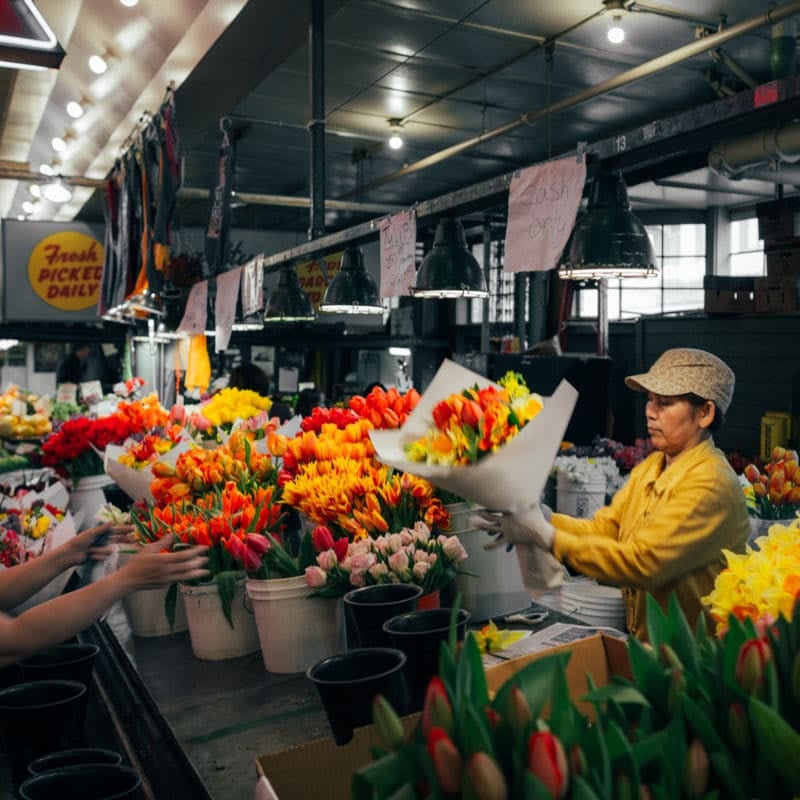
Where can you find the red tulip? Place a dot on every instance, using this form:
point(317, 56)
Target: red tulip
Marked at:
point(257, 543)
point(322, 538)
point(437, 711)
point(738, 727)
point(484, 778)
point(751, 662)
point(446, 760)
point(548, 762)
point(697, 769)
point(387, 722)
point(752, 473)
point(518, 712)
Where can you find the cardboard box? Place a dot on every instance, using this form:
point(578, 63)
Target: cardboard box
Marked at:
point(777, 295)
point(777, 220)
point(775, 432)
point(727, 295)
point(320, 770)
point(783, 260)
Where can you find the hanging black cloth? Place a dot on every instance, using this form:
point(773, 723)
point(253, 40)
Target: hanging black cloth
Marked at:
point(169, 180)
point(110, 278)
point(217, 239)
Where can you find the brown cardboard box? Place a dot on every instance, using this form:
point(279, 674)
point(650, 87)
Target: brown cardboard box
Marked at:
point(784, 260)
point(727, 295)
point(320, 770)
point(776, 219)
point(777, 295)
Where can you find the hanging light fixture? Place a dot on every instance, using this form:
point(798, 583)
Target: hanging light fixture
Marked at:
point(449, 269)
point(352, 291)
point(57, 191)
point(395, 139)
point(288, 302)
point(608, 240)
point(616, 9)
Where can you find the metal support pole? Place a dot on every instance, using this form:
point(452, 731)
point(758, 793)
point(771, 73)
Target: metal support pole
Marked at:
point(537, 306)
point(316, 72)
point(519, 308)
point(487, 270)
point(602, 317)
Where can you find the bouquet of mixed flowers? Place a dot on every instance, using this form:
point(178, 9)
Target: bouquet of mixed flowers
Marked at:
point(226, 498)
point(697, 717)
point(216, 418)
point(765, 580)
point(410, 555)
point(774, 493)
point(625, 456)
point(75, 447)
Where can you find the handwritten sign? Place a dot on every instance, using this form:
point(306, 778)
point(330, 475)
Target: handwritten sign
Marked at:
point(314, 276)
point(194, 316)
point(225, 306)
point(253, 286)
point(398, 249)
point(543, 202)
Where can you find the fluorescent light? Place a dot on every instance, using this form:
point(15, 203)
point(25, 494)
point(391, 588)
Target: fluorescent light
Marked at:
point(98, 64)
point(399, 351)
point(129, 3)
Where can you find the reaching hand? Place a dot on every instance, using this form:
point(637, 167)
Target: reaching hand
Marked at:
point(524, 527)
point(82, 546)
point(151, 568)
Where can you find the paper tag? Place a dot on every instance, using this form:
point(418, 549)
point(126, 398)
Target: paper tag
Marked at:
point(19, 408)
point(67, 393)
point(91, 390)
point(398, 251)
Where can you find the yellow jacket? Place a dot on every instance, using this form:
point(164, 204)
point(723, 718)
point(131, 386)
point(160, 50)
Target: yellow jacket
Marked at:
point(663, 532)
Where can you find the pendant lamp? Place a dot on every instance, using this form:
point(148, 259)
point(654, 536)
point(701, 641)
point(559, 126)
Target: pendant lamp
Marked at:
point(288, 302)
point(608, 240)
point(352, 291)
point(449, 269)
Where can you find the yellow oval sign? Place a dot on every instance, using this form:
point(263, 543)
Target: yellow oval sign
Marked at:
point(65, 268)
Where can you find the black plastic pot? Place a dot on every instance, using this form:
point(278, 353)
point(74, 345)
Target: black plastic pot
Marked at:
point(86, 781)
point(367, 608)
point(76, 756)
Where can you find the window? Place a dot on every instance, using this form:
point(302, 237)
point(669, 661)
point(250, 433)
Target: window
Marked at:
point(747, 250)
point(681, 254)
point(501, 287)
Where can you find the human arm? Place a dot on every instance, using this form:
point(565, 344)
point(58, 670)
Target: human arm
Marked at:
point(18, 583)
point(49, 623)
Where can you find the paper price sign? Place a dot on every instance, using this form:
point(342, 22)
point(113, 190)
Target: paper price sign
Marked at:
point(398, 250)
point(194, 317)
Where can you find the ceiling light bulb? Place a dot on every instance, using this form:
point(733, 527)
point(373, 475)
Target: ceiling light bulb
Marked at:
point(98, 64)
point(46, 169)
point(129, 3)
point(395, 141)
point(21, 217)
point(616, 33)
point(74, 109)
point(57, 192)
point(35, 190)
point(58, 144)
point(28, 207)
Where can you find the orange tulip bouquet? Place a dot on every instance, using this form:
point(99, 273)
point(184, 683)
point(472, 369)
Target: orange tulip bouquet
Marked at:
point(226, 498)
point(774, 493)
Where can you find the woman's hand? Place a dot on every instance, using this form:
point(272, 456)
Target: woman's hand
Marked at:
point(151, 568)
point(524, 527)
point(83, 545)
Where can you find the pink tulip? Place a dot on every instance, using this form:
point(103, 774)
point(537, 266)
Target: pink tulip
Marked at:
point(315, 577)
point(177, 415)
point(697, 769)
point(257, 543)
point(485, 778)
point(548, 762)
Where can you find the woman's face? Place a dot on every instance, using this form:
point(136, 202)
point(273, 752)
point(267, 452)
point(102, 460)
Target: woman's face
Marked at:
point(674, 424)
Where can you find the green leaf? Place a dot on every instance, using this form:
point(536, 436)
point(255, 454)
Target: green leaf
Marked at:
point(536, 680)
point(658, 628)
point(380, 778)
point(582, 791)
point(226, 586)
point(535, 789)
point(777, 741)
point(648, 748)
point(475, 736)
point(622, 693)
point(171, 604)
point(470, 675)
point(682, 639)
point(730, 776)
point(307, 556)
point(648, 674)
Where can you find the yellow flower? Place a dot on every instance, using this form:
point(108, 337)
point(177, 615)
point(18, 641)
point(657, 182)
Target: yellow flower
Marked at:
point(492, 639)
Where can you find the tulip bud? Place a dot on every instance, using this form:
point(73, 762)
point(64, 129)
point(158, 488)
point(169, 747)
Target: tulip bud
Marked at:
point(738, 727)
point(578, 764)
point(696, 774)
point(750, 665)
point(677, 688)
point(519, 712)
point(548, 762)
point(484, 779)
point(492, 717)
point(644, 792)
point(446, 760)
point(622, 787)
point(388, 723)
point(436, 711)
point(669, 658)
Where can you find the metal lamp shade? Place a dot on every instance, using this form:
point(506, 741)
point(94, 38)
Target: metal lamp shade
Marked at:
point(608, 240)
point(352, 291)
point(288, 302)
point(449, 269)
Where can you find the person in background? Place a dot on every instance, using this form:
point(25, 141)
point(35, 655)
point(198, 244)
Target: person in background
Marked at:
point(71, 368)
point(251, 376)
point(666, 528)
point(308, 400)
point(49, 623)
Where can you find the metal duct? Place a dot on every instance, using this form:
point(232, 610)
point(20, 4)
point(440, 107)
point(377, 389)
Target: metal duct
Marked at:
point(731, 157)
point(781, 173)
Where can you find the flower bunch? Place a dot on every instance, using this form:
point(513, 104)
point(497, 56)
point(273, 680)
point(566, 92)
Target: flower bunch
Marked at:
point(469, 425)
point(25, 526)
point(410, 555)
point(217, 416)
point(143, 450)
point(775, 492)
point(625, 456)
point(74, 449)
point(128, 388)
point(580, 469)
point(696, 717)
point(764, 580)
point(384, 408)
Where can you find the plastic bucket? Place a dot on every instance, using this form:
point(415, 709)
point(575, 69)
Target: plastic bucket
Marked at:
point(494, 587)
point(295, 630)
point(212, 637)
point(370, 606)
point(580, 498)
point(459, 516)
point(72, 758)
point(86, 781)
point(38, 718)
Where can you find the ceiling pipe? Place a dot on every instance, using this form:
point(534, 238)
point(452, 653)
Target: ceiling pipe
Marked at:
point(731, 157)
point(782, 173)
point(770, 17)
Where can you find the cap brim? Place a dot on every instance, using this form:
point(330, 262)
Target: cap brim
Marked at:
point(650, 383)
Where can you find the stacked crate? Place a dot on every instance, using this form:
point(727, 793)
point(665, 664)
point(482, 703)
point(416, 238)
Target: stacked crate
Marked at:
point(779, 227)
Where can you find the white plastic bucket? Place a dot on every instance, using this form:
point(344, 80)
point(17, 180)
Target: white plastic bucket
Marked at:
point(594, 604)
point(580, 498)
point(213, 639)
point(294, 629)
point(459, 516)
point(498, 588)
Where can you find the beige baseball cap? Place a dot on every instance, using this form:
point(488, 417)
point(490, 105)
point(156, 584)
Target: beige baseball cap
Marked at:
point(684, 370)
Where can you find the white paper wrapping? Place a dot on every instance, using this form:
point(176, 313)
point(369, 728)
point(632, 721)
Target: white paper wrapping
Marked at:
point(509, 480)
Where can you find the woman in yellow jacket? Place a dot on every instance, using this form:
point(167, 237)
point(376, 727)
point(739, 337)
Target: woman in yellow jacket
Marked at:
point(665, 530)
